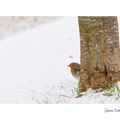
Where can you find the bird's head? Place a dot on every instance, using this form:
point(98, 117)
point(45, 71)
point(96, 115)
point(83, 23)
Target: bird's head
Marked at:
point(73, 65)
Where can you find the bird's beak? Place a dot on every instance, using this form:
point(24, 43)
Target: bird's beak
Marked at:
point(68, 65)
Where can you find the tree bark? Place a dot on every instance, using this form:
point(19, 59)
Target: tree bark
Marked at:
point(99, 36)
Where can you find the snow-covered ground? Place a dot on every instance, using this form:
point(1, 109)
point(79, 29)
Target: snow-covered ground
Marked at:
point(33, 65)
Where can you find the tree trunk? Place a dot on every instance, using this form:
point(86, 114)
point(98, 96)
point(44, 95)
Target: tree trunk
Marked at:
point(99, 37)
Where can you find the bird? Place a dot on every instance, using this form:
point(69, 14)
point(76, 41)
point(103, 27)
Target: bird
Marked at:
point(75, 70)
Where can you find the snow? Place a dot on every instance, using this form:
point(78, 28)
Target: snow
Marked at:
point(33, 65)
point(11, 24)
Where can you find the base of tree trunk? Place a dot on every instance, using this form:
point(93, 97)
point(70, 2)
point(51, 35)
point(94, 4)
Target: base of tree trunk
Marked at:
point(98, 79)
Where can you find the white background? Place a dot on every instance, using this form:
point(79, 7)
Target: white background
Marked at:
point(55, 7)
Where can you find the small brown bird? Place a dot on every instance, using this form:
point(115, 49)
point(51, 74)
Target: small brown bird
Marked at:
point(75, 70)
